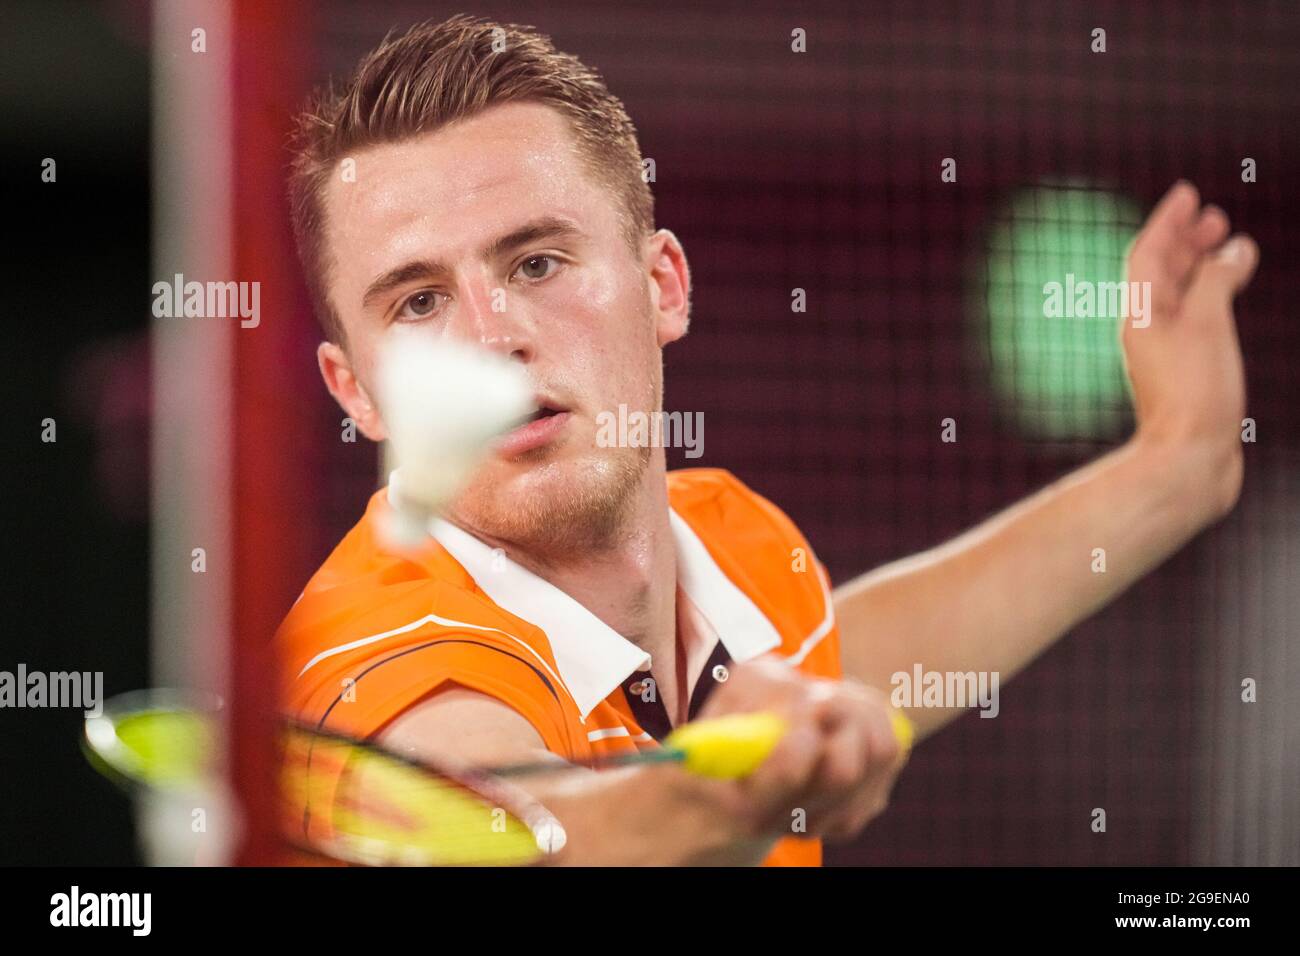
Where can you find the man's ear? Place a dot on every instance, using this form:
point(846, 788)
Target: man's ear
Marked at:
point(341, 380)
point(670, 286)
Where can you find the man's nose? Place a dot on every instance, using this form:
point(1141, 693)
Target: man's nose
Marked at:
point(484, 317)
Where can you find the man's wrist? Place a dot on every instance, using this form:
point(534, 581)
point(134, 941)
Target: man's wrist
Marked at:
point(719, 827)
point(1203, 472)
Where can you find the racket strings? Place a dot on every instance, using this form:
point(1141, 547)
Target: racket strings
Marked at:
point(366, 806)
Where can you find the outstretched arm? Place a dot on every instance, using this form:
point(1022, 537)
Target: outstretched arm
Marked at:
point(837, 763)
point(998, 595)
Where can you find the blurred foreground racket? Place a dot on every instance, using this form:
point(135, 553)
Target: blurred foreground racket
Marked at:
point(356, 802)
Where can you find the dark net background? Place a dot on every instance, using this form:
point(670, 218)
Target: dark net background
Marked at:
point(821, 171)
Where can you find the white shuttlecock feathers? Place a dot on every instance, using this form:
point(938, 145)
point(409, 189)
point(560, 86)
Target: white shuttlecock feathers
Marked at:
point(443, 404)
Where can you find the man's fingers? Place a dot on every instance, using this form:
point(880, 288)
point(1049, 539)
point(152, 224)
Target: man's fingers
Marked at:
point(836, 763)
point(1180, 251)
point(844, 758)
point(863, 758)
point(1177, 247)
point(1188, 244)
point(1175, 207)
point(791, 764)
point(1165, 252)
point(1211, 229)
point(1229, 269)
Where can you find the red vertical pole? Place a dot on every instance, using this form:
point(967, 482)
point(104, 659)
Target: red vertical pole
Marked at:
point(270, 75)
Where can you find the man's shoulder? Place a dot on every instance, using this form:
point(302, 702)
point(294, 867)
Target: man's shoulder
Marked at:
point(361, 561)
point(365, 588)
point(717, 503)
point(761, 550)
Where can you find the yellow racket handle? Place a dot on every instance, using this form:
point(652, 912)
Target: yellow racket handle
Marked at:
point(904, 732)
point(732, 747)
point(727, 748)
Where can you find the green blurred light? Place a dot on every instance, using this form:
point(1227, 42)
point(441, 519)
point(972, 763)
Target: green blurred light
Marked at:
point(1059, 378)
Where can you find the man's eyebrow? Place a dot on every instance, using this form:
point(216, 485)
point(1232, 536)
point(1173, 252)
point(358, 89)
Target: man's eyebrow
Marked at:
point(406, 272)
point(543, 227)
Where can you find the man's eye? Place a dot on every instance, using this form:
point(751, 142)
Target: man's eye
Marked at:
point(537, 267)
point(420, 305)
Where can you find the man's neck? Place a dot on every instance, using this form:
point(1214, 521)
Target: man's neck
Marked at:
point(630, 583)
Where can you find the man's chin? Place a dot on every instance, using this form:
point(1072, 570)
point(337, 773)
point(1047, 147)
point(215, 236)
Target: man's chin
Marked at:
point(554, 502)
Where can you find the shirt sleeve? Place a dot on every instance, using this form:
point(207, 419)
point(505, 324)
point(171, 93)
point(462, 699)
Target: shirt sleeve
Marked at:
point(359, 692)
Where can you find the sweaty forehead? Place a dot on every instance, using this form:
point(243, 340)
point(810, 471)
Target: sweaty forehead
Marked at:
point(459, 186)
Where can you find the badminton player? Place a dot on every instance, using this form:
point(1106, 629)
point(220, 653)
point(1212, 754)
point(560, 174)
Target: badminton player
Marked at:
point(468, 182)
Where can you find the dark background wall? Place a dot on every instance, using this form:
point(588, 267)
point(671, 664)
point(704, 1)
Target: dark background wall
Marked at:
point(76, 303)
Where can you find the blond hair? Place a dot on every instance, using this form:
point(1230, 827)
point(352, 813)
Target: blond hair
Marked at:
point(437, 73)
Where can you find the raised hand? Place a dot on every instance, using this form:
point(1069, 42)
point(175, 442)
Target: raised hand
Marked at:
point(1183, 357)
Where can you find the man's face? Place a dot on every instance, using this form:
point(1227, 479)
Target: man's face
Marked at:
point(493, 231)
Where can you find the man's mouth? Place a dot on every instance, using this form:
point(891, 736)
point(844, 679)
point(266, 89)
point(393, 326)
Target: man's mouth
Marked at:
point(540, 428)
point(546, 411)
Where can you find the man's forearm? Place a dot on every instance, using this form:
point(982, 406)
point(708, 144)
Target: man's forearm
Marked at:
point(646, 816)
point(995, 597)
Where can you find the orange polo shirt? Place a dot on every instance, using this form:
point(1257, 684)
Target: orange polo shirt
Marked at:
point(376, 632)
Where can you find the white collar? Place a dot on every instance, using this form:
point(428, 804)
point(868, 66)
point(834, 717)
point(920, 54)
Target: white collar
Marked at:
point(592, 658)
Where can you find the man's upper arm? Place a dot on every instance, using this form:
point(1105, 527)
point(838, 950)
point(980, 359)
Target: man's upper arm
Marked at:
point(464, 725)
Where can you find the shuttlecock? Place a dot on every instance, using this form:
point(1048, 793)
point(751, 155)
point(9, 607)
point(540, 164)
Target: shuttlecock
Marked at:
point(443, 404)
